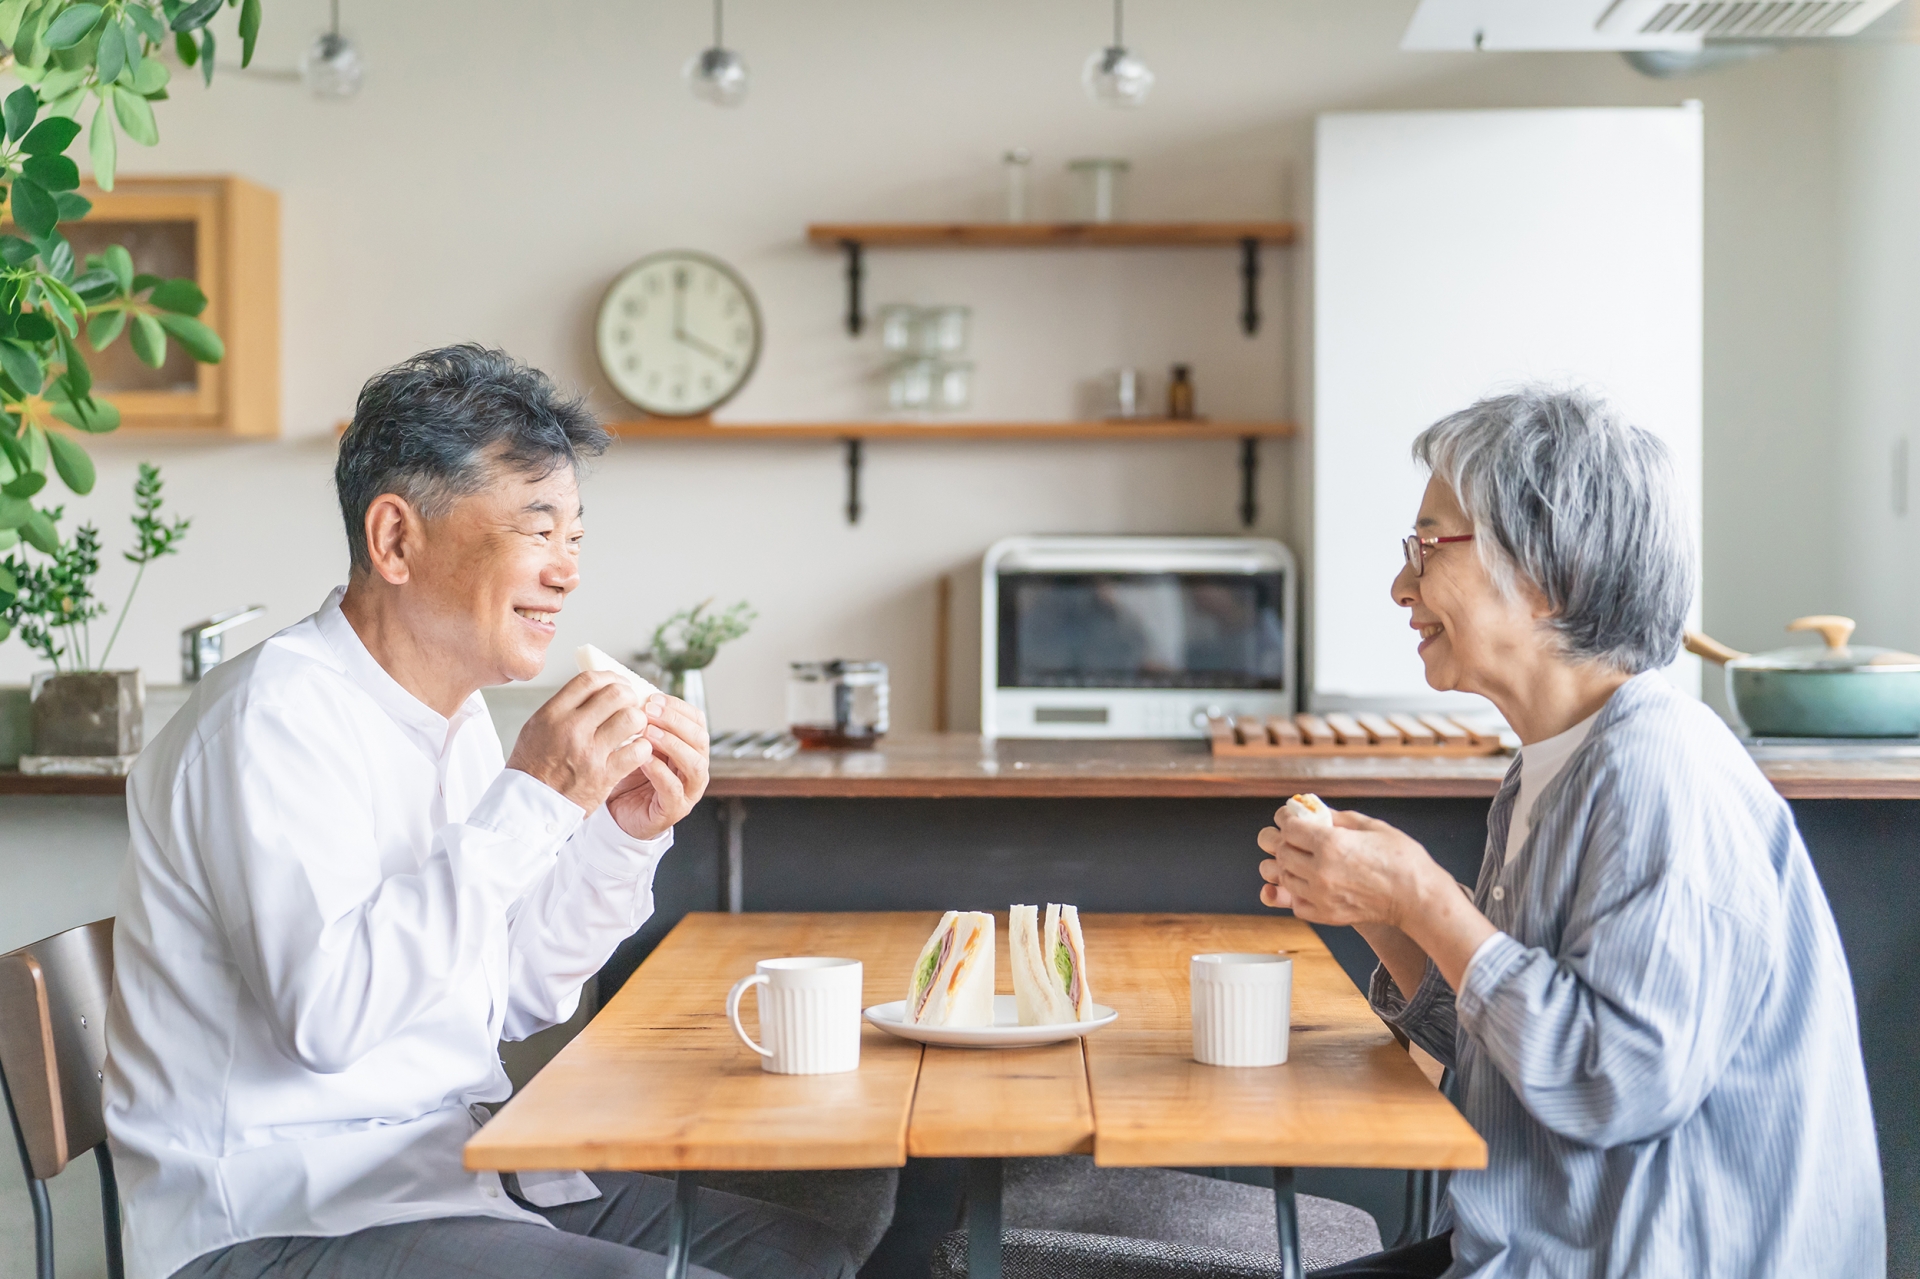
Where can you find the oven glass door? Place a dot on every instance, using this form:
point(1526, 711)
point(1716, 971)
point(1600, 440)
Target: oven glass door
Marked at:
point(1142, 630)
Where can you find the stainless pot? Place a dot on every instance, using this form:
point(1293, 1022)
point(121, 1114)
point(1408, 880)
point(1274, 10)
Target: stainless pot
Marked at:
point(1838, 690)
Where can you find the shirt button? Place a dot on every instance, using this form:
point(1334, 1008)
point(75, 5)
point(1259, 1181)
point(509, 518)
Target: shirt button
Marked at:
point(1499, 893)
point(493, 1192)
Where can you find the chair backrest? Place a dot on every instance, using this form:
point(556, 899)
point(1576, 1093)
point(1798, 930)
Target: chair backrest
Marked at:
point(53, 1041)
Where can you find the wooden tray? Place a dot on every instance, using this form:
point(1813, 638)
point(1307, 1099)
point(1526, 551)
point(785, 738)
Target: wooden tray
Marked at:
point(1338, 733)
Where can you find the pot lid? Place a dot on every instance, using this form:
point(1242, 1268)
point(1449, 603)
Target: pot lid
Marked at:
point(1837, 654)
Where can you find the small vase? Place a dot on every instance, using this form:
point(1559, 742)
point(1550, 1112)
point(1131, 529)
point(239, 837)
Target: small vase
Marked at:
point(691, 688)
point(88, 713)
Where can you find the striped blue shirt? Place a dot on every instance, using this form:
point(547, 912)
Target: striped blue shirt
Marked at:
point(1660, 1047)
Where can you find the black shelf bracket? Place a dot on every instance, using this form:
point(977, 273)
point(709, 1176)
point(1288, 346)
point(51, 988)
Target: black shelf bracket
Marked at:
point(1249, 472)
point(856, 269)
point(854, 460)
point(1250, 285)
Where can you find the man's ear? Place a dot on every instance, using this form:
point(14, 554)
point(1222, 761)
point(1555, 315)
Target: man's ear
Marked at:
point(395, 532)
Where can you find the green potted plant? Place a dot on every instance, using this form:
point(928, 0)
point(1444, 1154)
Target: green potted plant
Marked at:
point(82, 707)
point(76, 57)
point(685, 645)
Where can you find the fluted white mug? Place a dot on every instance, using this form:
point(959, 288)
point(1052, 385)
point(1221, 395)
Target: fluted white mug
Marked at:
point(1242, 1009)
point(809, 1014)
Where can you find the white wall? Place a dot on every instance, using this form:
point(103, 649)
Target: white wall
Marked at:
point(1472, 251)
point(505, 162)
point(1879, 581)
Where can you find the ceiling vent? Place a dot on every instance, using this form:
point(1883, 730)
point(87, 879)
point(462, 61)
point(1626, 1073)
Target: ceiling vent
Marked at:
point(1675, 25)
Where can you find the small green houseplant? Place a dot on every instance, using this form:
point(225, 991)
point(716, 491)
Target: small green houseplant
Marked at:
point(685, 645)
point(82, 706)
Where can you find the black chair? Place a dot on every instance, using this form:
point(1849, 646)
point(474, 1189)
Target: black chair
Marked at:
point(53, 1051)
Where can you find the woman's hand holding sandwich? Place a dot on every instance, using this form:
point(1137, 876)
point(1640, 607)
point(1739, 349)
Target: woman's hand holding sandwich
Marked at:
point(1365, 873)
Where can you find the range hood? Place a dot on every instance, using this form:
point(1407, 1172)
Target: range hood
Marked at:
point(1678, 26)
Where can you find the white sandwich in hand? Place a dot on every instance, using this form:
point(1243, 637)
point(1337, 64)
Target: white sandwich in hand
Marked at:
point(589, 658)
point(1310, 808)
point(1050, 983)
point(952, 983)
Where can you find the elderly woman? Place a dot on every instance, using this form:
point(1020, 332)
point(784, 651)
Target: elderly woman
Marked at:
point(1644, 998)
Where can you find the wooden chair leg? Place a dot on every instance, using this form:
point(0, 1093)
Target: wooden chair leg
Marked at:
point(110, 1211)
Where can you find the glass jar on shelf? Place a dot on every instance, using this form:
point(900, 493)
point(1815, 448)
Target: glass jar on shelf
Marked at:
point(1098, 187)
point(838, 704)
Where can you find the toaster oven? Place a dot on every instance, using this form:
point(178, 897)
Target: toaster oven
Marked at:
point(1134, 636)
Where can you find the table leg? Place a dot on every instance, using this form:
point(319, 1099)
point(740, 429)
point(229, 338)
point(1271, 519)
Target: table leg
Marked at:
point(983, 1219)
point(1287, 1221)
point(686, 1187)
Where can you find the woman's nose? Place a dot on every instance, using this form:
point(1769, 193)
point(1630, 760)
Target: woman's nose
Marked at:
point(1406, 587)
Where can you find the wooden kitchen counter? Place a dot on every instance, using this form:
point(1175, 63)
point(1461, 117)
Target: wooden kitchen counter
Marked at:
point(964, 765)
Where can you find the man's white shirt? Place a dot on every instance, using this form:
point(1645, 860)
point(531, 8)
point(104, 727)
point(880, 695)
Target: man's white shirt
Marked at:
point(336, 903)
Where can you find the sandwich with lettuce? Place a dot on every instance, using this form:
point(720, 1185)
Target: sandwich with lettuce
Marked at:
point(953, 978)
point(1049, 966)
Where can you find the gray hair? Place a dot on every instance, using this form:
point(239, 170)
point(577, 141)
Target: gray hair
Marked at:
point(435, 428)
point(1581, 505)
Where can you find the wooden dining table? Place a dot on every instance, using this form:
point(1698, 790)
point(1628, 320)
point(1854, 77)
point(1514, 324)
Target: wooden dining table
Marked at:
point(658, 1081)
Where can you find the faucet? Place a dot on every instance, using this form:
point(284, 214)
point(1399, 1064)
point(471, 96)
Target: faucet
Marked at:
point(201, 645)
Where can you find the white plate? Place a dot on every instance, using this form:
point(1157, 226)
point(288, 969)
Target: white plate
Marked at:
point(1006, 1031)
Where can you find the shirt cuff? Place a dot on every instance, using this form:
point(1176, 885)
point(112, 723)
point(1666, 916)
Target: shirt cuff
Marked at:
point(1395, 1008)
point(1495, 959)
point(607, 849)
point(527, 810)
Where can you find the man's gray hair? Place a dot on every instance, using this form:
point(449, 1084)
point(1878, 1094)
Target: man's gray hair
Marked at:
point(435, 428)
point(1581, 505)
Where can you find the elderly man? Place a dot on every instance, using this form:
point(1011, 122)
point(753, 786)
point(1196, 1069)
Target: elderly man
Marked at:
point(338, 900)
point(1645, 996)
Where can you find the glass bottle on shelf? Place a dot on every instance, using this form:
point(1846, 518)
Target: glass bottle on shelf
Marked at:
point(1180, 394)
point(1017, 165)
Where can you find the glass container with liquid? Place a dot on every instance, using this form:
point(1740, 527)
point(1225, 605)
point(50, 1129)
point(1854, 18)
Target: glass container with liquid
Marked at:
point(837, 704)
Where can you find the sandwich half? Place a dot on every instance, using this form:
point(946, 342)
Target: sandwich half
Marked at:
point(952, 982)
point(589, 658)
point(1310, 808)
point(1049, 966)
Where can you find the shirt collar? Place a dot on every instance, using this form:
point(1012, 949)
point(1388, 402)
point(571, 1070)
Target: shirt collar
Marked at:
point(429, 729)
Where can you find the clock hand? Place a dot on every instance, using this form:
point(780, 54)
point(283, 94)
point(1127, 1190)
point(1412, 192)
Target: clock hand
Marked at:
point(680, 304)
point(705, 348)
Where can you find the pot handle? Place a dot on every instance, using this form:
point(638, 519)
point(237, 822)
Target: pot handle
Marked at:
point(1836, 631)
point(1711, 649)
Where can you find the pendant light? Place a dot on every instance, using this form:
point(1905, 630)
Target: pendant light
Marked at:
point(331, 66)
point(1114, 76)
point(718, 75)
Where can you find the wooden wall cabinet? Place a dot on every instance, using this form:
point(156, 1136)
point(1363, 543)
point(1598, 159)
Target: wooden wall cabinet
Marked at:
point(223, 233)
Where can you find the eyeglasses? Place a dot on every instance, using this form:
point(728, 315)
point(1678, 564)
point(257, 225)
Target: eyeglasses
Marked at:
point(1416, 547)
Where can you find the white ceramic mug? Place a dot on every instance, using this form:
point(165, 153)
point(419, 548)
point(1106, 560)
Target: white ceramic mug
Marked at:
point(809, 1014)
point(1242, 1009)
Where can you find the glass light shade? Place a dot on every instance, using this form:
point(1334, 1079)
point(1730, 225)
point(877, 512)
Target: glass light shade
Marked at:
point(331, 67)
point(718, 76)
point(1116, 77)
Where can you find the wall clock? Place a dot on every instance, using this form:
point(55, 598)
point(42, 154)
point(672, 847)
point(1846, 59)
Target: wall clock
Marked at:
point(679, 333)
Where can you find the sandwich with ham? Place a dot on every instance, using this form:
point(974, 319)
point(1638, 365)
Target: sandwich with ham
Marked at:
point(952, 982)
point(1049, 966)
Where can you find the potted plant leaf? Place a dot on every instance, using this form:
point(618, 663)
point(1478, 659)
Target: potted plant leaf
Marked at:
point(86, 716)
point(685, 645)
point(100, 62)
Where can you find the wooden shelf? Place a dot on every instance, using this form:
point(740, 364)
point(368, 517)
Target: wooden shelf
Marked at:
point(1151, 429)
point(1045, 235)
point(855, 238)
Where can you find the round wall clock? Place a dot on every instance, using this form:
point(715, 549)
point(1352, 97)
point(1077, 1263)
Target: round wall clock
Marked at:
point(679, 333)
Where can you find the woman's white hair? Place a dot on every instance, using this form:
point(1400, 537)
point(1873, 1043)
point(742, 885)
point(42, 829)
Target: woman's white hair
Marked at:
point(1581, 505)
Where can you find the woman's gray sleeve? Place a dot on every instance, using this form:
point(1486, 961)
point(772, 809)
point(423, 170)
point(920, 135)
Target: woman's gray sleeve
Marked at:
point(1428, 1019)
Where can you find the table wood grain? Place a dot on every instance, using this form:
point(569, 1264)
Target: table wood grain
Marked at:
point(658, 1080)
point(1348, 1096)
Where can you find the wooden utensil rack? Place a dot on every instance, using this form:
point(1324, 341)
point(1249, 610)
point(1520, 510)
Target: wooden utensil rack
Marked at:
point(1338, 733)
